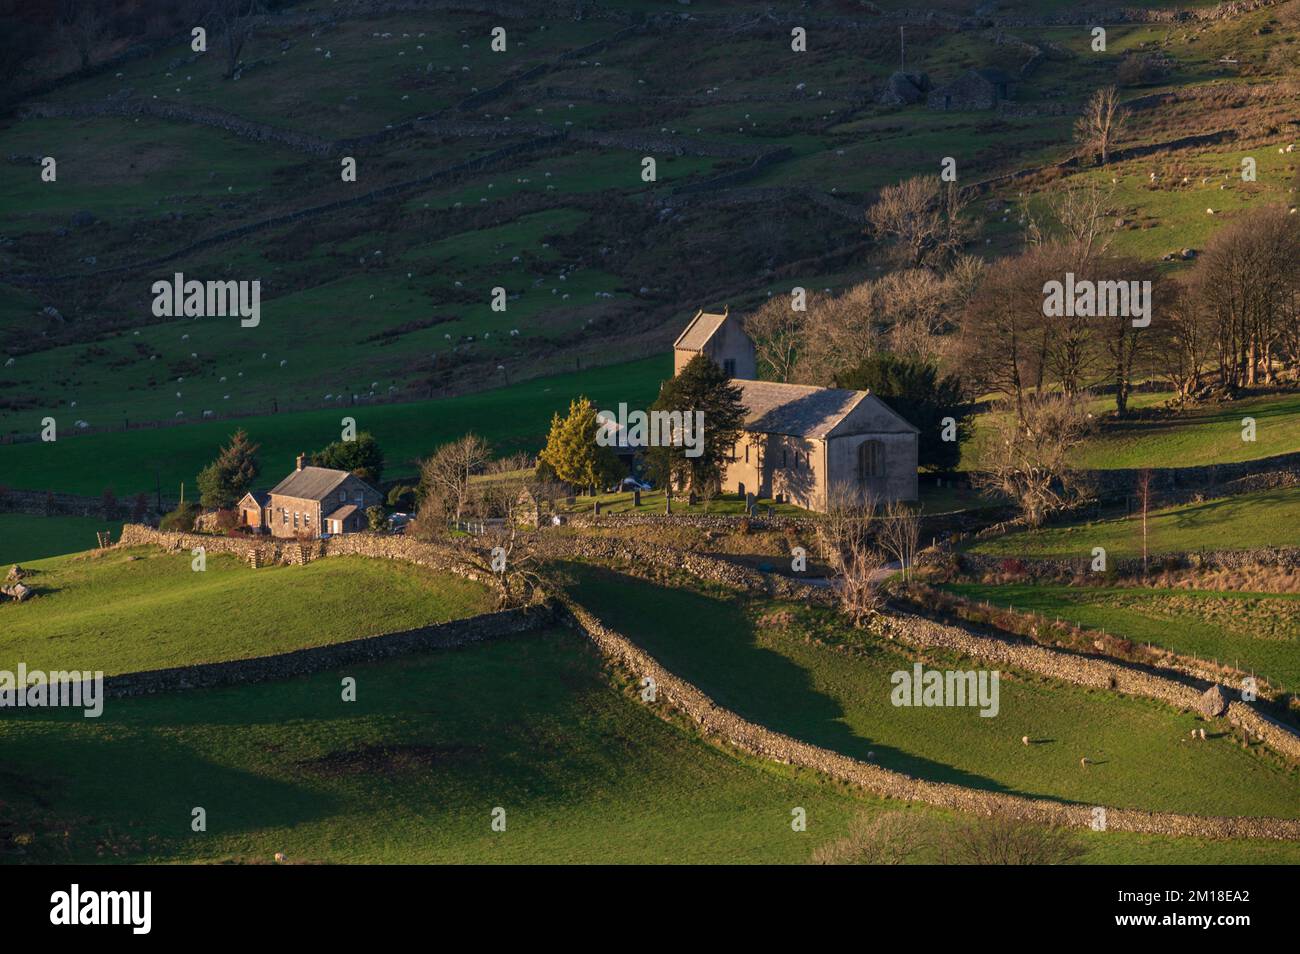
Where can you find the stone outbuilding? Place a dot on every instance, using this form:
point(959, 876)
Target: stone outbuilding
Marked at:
point(974, 89)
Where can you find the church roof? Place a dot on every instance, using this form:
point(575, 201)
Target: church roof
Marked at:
point(697, 334)
point(801, 410)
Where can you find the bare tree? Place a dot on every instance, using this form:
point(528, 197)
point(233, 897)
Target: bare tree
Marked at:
point(840, 331)
point(234, 20)
point(1185, 342)
point(776, 329)
point(899, 531)
point(1101, 124)
point(893, 838)
point(923, 217)
point(1249, 284)
point(81, 25)
point(445, 476)
point(1082, 216)
point(998, 840)
point(844, 539)
point(1144, 496)
point(1005, 339)
point(1027, 459)
point(508, 553)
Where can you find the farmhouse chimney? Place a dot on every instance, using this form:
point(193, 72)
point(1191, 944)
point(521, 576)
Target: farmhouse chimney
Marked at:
point(300, 460)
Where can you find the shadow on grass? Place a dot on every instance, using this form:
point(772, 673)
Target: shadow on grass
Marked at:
point(713, 644)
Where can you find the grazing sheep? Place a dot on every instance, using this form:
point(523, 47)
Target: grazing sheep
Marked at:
point(1024, 739)
point(1202, 735)
point(1084, 762)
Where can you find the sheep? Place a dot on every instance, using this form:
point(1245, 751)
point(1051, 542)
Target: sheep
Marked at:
point(1085, 762)
point(1024, 739)
point(1202, 735)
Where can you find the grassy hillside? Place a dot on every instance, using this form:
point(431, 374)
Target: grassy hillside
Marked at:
point(24, 537)
point(512, 418)
point(1211, 434)
point(1255, 631)
point(1262, 519)
point(589, 251)
point(411, 771)
point(127, 610)
point(760, 660)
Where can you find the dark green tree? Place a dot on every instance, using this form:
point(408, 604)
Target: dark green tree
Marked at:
point(702, 387)
point(230, 476)
point(362, 457)
point(917, 391)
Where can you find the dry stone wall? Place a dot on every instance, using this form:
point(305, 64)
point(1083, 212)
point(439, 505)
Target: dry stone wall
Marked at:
point(461, 632)
point(1096, 672)
point(726, 726)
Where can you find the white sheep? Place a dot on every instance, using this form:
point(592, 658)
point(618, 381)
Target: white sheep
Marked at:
point(1024, 739)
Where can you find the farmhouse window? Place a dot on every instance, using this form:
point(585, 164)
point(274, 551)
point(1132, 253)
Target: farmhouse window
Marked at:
point(871, 460)
point(785, 457)
point(284, 516)
point(747, 453)
point(729, 367)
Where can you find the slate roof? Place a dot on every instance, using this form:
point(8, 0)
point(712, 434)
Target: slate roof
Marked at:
point(311, 483)
point(260, 497)
point(697, 334)
point(342, 513)
point(801, 410)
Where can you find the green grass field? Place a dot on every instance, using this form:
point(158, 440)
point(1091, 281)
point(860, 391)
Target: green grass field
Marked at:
point(1210, 434)
point(1207, 435)
point(411, 772)
point(512, 418)
point(1257, 632)
point(24, 537)
point(1262, 519)
point(129, 610)
point(759, 660)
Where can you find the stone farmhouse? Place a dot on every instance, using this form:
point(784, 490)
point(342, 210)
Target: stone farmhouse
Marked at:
point(310, 501)
point(974, 89)
point(800, 440)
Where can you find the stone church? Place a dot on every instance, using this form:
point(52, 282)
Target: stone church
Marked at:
point(800, 440)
